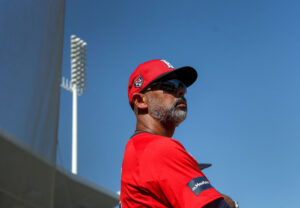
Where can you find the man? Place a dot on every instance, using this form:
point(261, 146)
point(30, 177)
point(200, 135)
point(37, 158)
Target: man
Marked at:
point(157, 171)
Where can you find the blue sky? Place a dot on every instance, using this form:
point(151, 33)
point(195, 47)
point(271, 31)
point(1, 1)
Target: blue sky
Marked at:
point(243, 111)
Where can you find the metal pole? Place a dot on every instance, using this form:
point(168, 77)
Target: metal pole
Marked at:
point(74, 131)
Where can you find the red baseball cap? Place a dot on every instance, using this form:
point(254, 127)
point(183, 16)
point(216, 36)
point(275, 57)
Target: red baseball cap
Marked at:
point(155, 70)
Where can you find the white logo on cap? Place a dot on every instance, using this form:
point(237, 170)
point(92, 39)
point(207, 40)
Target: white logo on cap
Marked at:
point(138, 82)
point(168, 64)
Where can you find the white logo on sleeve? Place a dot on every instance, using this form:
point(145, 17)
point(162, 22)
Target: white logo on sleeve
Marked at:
point(199, 184)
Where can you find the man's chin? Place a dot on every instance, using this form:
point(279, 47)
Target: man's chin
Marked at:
point(172, 117)
point(181, 113)
point(180, 117)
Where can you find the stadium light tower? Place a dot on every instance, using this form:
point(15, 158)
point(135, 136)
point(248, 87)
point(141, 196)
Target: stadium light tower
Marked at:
point(76, 86)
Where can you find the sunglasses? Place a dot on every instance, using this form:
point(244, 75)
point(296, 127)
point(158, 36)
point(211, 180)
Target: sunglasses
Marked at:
point(170, 86)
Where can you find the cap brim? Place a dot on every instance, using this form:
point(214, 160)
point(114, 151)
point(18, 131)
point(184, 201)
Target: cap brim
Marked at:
point(202, 166)
point(186, 74)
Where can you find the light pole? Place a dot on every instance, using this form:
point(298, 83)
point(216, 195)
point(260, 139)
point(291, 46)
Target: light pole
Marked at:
point(76, 86)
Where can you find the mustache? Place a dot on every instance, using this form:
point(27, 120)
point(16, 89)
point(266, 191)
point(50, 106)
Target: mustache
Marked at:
point(180, 101)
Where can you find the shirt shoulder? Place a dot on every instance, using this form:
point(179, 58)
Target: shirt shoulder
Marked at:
point(146, 152)
point(158, 156)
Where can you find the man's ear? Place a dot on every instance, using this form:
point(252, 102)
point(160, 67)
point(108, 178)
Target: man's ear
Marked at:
point(139, 101)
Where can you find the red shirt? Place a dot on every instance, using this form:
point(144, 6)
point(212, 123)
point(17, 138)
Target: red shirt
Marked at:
point(157, 172)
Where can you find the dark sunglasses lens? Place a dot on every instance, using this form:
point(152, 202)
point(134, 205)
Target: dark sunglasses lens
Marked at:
point(172, 85)
point(177, 83)
point(168, 87)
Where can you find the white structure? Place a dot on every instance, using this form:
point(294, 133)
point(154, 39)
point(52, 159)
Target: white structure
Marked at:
point(76, 86)
point(27, 181)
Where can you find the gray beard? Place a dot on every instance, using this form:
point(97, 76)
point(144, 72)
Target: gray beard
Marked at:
point(167, 116)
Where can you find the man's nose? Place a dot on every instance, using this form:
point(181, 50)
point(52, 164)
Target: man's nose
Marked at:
point(180, 91)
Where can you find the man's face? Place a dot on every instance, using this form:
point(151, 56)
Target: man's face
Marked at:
point(169, 108)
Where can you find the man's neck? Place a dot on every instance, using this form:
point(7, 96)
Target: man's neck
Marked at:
point(147, 123)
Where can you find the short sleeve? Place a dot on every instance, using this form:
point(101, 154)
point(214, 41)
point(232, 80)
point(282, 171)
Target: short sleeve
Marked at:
point(177, 175)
